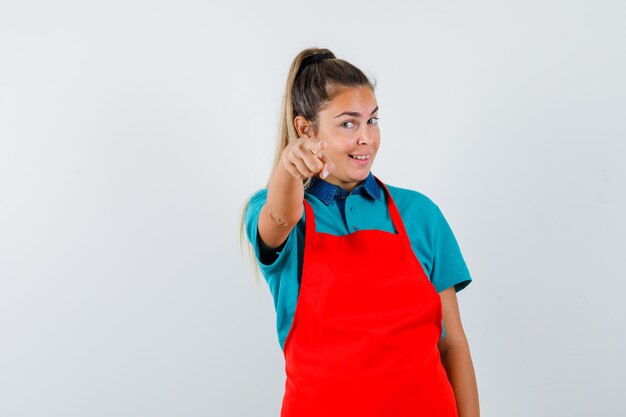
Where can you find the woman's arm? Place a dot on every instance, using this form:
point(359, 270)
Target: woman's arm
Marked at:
point(285, 192)
point(456, 358)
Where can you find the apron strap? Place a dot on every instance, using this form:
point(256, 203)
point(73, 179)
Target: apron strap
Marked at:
point(396, 219)
point(309, 219)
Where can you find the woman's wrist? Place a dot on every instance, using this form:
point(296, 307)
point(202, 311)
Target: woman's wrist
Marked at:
point(285, 194)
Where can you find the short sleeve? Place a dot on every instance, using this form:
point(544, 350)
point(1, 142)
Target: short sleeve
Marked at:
point(449, 267)
point(267, 261)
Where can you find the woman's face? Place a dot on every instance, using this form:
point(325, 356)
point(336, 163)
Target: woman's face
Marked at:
point(349, 126)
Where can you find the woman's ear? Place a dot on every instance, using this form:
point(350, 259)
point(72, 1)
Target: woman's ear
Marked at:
point(303, 127)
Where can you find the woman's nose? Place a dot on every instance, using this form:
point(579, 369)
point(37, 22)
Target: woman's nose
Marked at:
point(364, 136)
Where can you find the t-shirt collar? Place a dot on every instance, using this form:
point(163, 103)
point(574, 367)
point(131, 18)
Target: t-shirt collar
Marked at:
point(326, 191)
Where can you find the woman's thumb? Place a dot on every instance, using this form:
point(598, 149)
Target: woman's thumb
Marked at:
point(328, 166)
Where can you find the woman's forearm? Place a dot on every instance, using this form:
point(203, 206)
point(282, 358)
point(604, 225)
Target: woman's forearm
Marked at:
point(282, 208)
point(284, 196)
point(457, 362)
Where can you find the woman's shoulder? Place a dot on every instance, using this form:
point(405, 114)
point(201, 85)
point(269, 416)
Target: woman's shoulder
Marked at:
point(419, 212)
point(253, 204)
point(257, 198)
point(260, 194)
point(410, 199)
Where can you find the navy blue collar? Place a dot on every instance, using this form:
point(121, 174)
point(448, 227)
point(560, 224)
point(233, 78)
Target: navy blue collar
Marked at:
point(326, 191)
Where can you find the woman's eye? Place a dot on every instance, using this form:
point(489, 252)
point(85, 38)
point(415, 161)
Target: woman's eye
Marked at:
point(350, 123)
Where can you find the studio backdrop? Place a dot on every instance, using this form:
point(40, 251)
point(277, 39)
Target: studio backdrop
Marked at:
point(132, 132)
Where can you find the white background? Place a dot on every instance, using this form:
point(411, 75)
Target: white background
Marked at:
point(131, 133)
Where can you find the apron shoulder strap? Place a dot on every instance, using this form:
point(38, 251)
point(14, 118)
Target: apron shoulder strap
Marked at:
point(396, 219)
point(309, 218)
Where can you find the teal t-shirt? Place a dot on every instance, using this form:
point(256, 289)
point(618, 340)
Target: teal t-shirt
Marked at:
point(340, 213)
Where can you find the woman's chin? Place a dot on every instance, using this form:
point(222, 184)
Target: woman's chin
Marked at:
point(347, 178)
point(361, 173)
point(356, 177)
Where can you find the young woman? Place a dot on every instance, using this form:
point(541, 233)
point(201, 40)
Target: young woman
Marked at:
point(363, 274)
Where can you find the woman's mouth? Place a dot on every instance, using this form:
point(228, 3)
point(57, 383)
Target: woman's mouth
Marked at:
point(360, 159)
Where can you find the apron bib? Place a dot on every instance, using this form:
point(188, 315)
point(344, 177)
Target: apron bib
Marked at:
point(363, 342)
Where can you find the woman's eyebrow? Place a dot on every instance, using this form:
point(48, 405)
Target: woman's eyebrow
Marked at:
point(356, 114)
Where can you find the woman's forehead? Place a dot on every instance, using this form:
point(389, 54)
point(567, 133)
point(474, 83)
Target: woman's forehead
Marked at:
point(352, 99)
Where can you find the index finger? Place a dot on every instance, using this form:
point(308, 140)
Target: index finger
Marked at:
point(317, 146)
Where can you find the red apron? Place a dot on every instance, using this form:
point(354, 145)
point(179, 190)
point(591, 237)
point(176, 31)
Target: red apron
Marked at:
point(363, 342)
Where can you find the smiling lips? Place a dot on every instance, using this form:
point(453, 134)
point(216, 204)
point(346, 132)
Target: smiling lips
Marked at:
point(361, 160)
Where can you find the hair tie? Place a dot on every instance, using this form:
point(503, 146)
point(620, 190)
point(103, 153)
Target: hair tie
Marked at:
point(312, 59)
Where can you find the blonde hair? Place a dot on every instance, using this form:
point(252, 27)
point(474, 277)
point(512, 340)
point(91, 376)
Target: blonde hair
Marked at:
point(307, 91)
